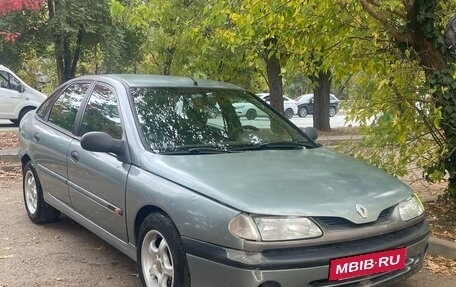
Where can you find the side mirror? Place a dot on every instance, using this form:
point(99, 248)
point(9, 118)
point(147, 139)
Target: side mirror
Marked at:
point(102, 142)
point(20, 88)
point(311, 132)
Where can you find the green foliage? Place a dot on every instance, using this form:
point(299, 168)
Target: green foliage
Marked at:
point(418, 127)
point(398, 118)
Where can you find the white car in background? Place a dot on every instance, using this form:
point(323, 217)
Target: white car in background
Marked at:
point(290, 106)
point(248, 110)
point(16, 97)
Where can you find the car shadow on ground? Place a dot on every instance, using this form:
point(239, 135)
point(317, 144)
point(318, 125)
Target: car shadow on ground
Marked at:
point(94, 251)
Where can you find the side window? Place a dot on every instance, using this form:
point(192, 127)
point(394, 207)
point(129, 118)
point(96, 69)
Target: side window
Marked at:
point(44, 108)
point(102, 113)
point(8, 81)
point(63, 112)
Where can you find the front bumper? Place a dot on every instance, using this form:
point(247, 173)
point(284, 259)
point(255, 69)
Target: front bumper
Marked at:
point(212, 265)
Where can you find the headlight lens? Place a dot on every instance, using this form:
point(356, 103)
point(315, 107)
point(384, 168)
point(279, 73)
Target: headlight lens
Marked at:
point(286, 228)
point(411, 208)
point(242, 226)
point(273, 228)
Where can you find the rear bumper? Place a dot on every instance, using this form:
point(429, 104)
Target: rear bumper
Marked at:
point(216, 266)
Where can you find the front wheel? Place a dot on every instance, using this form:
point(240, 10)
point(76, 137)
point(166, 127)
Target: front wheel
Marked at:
point(161, 257)
point(37, 209)
point(302, 112)
point(251, 114)
point(332, 111)
point(289, 113)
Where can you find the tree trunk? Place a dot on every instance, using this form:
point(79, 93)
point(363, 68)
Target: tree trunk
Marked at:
point(58, 47)
point(66, 62)
point(423, 34)
point(169, 57)
point(273, 71)
point(321, 102)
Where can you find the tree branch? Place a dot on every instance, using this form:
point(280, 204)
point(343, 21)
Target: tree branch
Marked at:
point(407, 3)
point(395, 33)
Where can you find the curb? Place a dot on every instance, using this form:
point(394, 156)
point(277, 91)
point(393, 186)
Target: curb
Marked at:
point(441, 247)
point(9, 155)
point(332, 141)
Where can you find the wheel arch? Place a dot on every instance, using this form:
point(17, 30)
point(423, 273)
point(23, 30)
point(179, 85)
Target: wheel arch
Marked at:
point(24, 160)
point(142, 214)
point(27, 107)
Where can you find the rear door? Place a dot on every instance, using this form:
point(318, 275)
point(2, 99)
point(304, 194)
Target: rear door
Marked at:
point(51, 138)
point(97, 180)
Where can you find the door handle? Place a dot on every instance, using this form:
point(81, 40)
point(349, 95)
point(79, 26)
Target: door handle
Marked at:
point(74, 156)
point(36, 137)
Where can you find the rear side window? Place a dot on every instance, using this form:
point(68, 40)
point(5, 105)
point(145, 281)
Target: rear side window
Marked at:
point(102, 113)
point(63, 112)
point(44, 108)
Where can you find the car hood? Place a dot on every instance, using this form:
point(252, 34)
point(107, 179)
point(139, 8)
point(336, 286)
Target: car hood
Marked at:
point(33, 94)
point(308, 182)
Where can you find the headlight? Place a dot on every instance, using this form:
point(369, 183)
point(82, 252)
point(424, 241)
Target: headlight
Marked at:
point(411, 208)
point(237, 107)
point(273, 228)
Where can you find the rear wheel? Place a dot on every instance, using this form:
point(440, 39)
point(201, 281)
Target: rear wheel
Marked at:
point(289, 113)
point(251, 114)
point(161, 258)
point(37, 209)
point(302, 112)
point(332, 111)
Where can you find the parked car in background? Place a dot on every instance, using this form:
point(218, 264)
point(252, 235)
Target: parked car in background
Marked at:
point(248, 110)
point(16, 97)
point(306, 105)
point(290, 106)
point(214, 201)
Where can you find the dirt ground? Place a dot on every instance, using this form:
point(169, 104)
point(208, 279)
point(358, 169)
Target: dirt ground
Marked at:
point(59, 254)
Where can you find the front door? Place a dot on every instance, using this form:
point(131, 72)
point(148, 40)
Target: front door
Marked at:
point(97, 180)
point(10, 97)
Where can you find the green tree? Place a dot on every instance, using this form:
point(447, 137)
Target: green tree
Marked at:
point(290, 37)
point(416, 29)
point(73, 24)
point(173, 47)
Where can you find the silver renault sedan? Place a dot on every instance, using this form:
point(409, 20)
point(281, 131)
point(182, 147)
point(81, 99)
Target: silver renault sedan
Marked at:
point(218, 200)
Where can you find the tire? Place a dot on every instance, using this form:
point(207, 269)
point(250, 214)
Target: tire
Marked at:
point(332, 111)
point(37, 209)
point(302, 112)
point(160, 256)
point(289, 113)
point(251, 114)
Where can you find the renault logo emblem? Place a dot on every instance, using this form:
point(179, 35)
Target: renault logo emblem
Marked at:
point(361, 211)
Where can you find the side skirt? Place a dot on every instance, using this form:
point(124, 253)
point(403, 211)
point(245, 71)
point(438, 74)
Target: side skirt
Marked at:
point(125, 247)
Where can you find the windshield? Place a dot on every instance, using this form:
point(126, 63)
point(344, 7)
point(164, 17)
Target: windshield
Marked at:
point(210, 120)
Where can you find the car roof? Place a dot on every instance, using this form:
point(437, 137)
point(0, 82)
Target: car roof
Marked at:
point(144, 80)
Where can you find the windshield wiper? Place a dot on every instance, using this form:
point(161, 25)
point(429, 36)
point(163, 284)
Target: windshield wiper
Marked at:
point(196, 150)
point(272, 145)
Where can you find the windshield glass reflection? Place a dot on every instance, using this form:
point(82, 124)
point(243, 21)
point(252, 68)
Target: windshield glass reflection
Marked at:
point(197, 119)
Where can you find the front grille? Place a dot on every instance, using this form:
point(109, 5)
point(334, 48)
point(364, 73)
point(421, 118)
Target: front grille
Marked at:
point(339, 222)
